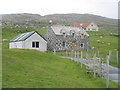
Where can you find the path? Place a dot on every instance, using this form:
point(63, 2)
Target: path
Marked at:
point(114, 72)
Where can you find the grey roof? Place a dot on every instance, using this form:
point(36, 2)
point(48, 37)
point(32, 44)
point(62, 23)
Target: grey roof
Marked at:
point(67, 29)
point(22, 37)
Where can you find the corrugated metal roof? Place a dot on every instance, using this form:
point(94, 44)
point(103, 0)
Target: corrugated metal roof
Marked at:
point(67, 29)
point(22, 37)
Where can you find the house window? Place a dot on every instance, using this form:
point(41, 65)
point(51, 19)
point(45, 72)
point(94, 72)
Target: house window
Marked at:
point(88, 28)
point(82, 45)
point(35, 44)
point(91, 24)
point(64, 34)
point(93, 29)
point(82, 36)
point(73, 34)
point(63, 44)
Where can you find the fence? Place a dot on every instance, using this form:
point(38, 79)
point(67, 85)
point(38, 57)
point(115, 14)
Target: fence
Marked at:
point(95, 65)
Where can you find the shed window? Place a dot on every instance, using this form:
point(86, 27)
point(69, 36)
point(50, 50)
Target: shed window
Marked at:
point(35, 44)
point(63, 44)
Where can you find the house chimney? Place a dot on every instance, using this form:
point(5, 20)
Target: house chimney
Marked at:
point(50, 22)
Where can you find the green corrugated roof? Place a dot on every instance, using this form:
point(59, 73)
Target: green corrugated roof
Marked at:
point(22, 37)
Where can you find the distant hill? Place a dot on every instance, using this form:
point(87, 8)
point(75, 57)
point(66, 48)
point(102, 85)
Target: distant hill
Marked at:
point(67, 19)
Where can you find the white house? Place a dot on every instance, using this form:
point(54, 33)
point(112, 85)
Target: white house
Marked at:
point(29, 40)
point(87, 26)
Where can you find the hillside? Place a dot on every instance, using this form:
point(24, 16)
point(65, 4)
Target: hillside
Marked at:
point(37, 20)
point(34, 69)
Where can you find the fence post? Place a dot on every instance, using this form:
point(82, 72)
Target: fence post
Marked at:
point(98, 53)
point(86, 55)
point(107, 79)
point(94, 58)
point(54, 51)
point(117, 56)
point(110, 54)
point(78, 54)
point(66, 53)
point(75, 54)
point(100, 67)
point(81, 58)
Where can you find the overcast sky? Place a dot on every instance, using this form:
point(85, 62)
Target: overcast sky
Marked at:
point(107, 8)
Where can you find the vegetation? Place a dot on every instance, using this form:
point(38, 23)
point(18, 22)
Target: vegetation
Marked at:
point(104, 41)
point(0, 66)
point(34, 69)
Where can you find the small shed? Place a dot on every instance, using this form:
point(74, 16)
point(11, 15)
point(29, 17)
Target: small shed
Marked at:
point(29, 40)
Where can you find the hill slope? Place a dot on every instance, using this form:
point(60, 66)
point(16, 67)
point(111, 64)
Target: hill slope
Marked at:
point(37, 19)
point(34, 69)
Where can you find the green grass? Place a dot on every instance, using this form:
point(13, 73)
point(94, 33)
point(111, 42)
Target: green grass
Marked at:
point(41, 31)
point(103, 45)
point(34, 69)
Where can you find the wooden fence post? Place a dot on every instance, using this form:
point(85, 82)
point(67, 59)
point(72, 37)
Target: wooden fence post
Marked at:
point(107, 79)
point(78, 54)
point(81, 58)
point(110, 54)
point(75, 54)
point(54, 51)
point(117, 56)
point(86, 55)
point(66, 53)
point(98, 53)
point(94, 68)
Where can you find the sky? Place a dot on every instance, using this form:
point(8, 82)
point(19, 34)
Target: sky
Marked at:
point(106, 8)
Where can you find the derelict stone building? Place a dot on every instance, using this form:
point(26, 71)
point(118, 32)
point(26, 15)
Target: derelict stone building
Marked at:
point(62, 37)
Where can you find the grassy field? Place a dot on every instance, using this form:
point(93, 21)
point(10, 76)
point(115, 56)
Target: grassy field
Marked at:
point(0, 58)
point(107, 41)
point(34, 69)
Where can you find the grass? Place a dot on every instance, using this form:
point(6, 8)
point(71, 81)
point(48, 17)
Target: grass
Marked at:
point(107, 42)
point(31, 68)
point(0, 59)
point(34, 69)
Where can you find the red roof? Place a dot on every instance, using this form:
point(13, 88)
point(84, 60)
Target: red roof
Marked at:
point(82, 24)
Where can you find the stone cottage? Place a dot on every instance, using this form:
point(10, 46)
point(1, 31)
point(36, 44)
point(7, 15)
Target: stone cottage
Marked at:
point(66, 38)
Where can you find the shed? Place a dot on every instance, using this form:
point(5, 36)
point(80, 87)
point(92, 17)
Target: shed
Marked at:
point(29, 40)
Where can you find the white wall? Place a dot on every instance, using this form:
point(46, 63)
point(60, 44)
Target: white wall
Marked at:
point(18, 44)
point(92, 27)
point(35, 37)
